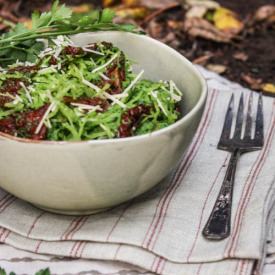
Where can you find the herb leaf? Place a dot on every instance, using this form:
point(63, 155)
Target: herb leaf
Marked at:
point(107, 16)
point(20, 43)
point(43, 272)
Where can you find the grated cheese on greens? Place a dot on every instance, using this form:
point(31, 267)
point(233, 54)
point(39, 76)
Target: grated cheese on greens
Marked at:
point(83, 76)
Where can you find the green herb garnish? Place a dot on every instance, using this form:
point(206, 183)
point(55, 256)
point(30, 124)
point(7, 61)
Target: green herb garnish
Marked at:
point(21, 43)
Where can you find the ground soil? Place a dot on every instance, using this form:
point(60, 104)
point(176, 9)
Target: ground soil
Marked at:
point(244, 7)
point(257, 42)
point(258, 45)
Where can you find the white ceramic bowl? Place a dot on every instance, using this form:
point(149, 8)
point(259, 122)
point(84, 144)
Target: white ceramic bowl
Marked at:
point(86, 177)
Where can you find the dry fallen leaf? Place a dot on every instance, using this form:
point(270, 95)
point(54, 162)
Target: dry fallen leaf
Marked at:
point(209, 4)
point(196, 11)
point(217, 68)
point(199, 27)
point(254, 83)
point(202, 60)
point(269, 88)
point(226, 20)
point(199, 8)
point(157, 4)
point(266, 12)
point(240, 56)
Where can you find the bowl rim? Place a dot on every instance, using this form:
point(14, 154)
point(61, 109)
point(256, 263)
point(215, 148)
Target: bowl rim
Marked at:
point(193, 111)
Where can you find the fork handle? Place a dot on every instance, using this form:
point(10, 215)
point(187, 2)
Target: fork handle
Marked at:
point(219, 222)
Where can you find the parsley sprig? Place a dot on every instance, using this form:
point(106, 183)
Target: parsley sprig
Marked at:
point(21, 43)
point(40, 272)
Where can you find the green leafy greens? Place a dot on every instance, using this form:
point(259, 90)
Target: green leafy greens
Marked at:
point(21, 43)
point(83, 93)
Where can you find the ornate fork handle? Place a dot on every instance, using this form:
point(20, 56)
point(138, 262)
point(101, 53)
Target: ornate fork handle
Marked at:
point(218, 224)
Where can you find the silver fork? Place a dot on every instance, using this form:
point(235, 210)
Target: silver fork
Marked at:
point(219, 222)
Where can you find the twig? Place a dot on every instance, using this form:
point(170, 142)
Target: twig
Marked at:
point(159, 12)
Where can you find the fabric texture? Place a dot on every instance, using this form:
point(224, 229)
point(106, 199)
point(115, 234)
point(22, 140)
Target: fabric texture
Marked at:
point(160, 231)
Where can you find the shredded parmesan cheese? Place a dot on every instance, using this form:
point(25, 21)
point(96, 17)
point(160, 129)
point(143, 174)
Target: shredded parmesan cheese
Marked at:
point(27, 91)
point(155, 95)
point(57, 52)
point(47, 51)
point(106, 64)
point(87, 107)
point(48, 69)
point(106, 129)
point(17, 99)
point(176, 88)
point(115, 100)
point(174, 96)
point(105, 77)
point(51, 108)
point(91, 85)
point(59, 41)
point(119, 96)
point(91, 51)
point(133, 83)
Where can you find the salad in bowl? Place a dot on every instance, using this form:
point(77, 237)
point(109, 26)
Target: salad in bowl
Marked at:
point(83, 93)
point(89, 120)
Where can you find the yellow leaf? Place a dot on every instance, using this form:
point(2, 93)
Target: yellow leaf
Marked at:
point(226, 20)
point(82, 8)
point(134, 13)
point(269, 88)
point(28, 24)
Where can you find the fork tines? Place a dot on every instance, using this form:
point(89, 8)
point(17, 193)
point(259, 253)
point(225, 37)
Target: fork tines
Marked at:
point(239, 140)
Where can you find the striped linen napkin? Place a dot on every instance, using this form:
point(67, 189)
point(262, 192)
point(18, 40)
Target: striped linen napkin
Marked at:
point(161, 230)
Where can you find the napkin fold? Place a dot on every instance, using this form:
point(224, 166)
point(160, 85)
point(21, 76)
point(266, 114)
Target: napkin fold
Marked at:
point(160, 231)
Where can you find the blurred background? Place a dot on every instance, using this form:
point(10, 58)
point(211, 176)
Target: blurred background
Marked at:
point(233, 38)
